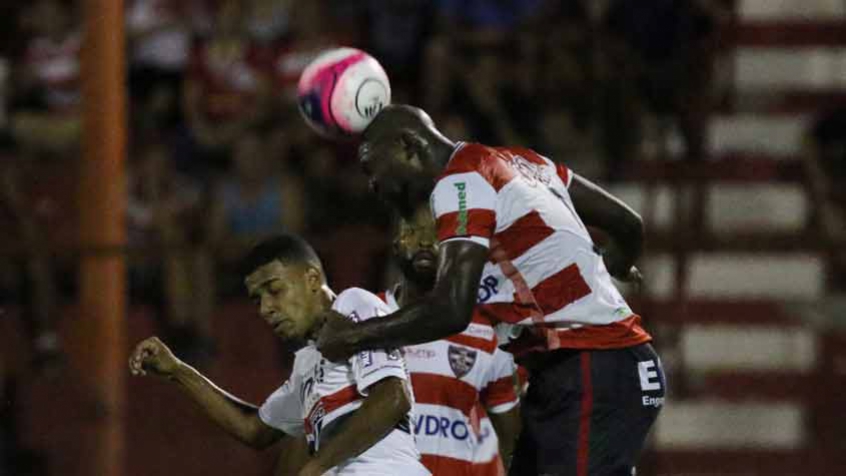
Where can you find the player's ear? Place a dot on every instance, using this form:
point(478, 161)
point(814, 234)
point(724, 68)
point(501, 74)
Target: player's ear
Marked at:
point(314, 279)
point(415, 144)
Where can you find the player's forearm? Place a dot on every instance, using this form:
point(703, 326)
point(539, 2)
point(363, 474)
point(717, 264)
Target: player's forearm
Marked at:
point(235, 416)
point(293, 455)
point(386, 406)
point(507, 426)
point(424, 321)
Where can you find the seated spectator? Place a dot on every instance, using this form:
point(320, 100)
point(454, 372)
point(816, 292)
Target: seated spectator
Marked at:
point(395, 32)
point(227, 88)
point(257, 199)
point(462, 26)
point(46, 116)
point(29, 268)
point(169, 265)
point(310, 32)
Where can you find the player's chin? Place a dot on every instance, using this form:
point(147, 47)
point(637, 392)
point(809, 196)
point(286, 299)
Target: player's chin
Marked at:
point(424, 270)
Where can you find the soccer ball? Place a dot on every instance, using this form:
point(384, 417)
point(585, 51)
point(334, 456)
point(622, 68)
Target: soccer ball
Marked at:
point(341, 91)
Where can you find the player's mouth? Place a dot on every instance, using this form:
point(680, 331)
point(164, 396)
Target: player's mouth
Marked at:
point(282, 327)
point(424, 259)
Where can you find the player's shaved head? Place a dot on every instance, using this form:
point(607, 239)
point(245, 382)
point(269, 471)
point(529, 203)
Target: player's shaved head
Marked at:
point(398, 117)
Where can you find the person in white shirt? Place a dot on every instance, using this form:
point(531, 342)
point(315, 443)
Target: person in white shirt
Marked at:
point(355, 414)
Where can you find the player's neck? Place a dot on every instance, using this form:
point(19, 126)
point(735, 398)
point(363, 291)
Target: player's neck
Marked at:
point(442, 149)
point(408, 291)
point(326, 298)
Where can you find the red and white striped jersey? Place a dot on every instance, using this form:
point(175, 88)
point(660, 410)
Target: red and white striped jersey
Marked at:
point(454, 381)
point(319, 394)
point(543, 273)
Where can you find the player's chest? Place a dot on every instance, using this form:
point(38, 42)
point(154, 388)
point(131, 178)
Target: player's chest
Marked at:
point(449, 360)
point(320, 379)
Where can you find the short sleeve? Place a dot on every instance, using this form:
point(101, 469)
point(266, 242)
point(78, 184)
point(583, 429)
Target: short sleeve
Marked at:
point(283, 410)
point(499, 394)
point(464, 205)
point(369, 366)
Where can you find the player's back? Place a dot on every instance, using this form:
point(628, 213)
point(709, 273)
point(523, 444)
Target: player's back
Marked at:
point(454, 380)
point(544, 271)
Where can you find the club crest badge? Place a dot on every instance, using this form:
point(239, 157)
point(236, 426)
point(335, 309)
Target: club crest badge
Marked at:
point(461, 360)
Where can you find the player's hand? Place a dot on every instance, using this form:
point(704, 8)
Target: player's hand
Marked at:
point(333, 340)
point(153, 356)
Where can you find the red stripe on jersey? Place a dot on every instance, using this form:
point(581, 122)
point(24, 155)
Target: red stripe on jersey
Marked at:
point(561, 289)
point(434, 389)
point(526, 232)
point(485, 345)
point(585, 413)
point(499, 392)
point(340, 398)
point(477, 222)
point(563, 174)
point(446, 466)
point(616, 335)
point(486, 161)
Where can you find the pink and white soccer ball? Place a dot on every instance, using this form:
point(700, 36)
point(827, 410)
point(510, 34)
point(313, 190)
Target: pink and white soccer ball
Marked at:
point(341, 91)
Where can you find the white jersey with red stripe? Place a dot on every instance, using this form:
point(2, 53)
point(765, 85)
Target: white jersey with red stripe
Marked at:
point(544, 273)
point(319, 394)
point(454, 381)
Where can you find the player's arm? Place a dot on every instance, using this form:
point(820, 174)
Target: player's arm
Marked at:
point(444, 312)
point(237, 417)
point(507, 426)
point(600, 209)
point(293, 455)
point(386, 404)
point(500, 398)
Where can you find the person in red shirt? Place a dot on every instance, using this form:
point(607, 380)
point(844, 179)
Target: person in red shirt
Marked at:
point(513, 235)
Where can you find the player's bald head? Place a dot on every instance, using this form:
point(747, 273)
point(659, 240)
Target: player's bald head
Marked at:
point(396, 118)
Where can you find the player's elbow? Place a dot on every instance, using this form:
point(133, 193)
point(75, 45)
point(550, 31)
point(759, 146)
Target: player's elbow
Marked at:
point(256, 434)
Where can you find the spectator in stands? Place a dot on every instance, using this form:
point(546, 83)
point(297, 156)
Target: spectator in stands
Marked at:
point(259, 198)
point(310, 31)
point(30, 266)
point(227, 87)
point(658, 56)
point(170, 266)
point(395, 33)
point(45, 117)
point(468, 26)
point(268, 20)
point(825, 164)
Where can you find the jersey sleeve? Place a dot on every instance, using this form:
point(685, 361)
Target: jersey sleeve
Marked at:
point(369, 366)
point(283, 410)
point(499, 395)
point(464, 205)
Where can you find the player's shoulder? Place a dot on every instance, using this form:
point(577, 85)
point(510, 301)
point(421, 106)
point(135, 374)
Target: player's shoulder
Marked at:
point(468, 157)
point(359, 304)
point(486, 164)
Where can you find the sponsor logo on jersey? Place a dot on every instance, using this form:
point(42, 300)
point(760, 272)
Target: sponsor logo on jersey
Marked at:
point(461, 360)
point(431, 425)
point(415, 353)
point(487, 289)
point(461, 187)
